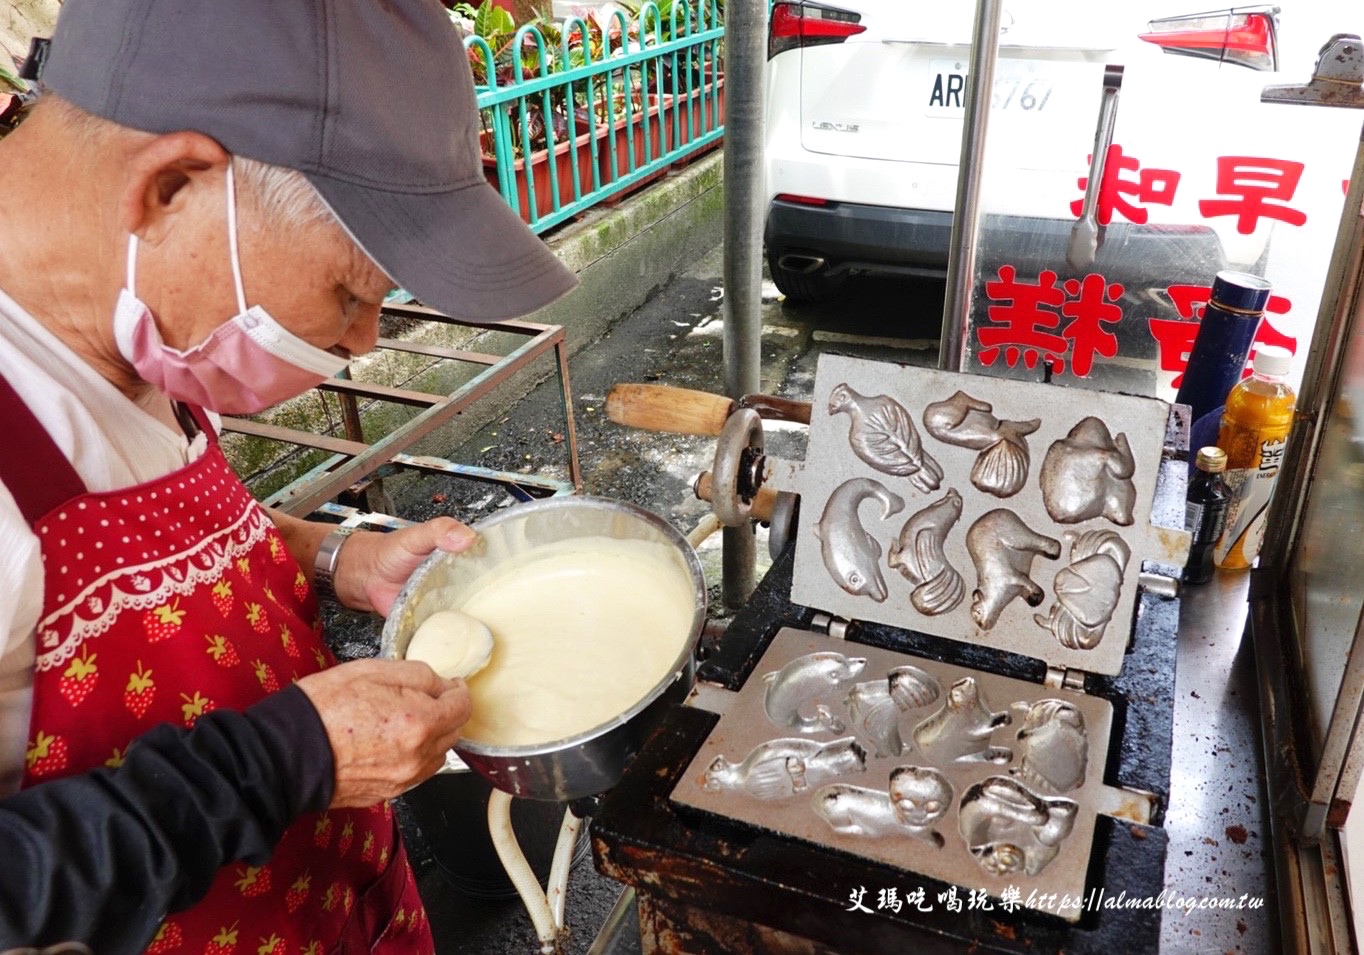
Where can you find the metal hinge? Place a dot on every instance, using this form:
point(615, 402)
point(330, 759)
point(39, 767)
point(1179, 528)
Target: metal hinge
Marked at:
point(835, 627)
point(1064, 677)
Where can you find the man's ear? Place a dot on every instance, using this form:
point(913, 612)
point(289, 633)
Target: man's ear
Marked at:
point(158, 180)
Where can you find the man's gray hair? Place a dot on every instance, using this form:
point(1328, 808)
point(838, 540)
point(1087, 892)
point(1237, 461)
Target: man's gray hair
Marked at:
point(283, 196)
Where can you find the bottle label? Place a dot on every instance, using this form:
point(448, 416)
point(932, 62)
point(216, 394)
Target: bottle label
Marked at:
point(1251, 489)
point(1204, 521)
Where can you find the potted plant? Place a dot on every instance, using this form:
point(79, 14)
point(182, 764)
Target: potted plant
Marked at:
point(532, 169)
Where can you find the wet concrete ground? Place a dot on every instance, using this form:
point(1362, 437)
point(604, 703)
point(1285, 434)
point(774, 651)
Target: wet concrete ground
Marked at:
point(674, 339)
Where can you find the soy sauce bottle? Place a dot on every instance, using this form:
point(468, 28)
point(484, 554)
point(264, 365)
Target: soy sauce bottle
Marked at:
point(1205, 512)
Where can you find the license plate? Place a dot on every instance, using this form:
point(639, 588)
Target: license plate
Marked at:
point(1021, 88)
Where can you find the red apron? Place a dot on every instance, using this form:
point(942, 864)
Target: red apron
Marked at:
point(165, 601)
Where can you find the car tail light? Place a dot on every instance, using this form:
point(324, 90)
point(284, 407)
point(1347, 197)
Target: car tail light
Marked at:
point(801, 200)
point(807, 24)
point(1247, 38)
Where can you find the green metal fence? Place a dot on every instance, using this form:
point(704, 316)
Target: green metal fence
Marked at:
point(570, 120)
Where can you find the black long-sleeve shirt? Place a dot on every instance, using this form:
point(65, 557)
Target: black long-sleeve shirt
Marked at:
point(103, 856)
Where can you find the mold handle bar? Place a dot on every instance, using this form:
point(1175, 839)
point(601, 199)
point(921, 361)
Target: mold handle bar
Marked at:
point(685, 411)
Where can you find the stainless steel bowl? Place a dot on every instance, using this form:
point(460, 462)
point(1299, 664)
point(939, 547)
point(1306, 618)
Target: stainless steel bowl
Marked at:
point(587, 763)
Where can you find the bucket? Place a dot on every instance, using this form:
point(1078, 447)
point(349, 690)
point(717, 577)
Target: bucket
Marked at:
point(452, 810)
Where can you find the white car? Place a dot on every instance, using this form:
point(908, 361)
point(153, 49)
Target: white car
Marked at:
point(865, 102)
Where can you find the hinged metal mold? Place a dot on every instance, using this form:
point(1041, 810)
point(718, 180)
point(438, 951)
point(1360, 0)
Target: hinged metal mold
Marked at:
point(980, 510)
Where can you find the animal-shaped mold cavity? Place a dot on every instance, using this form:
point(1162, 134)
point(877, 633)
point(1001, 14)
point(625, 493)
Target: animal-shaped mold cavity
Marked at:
point(877, 705)
point(1087, 590)
point(920, 795)
point(883, 435)
point(1001, 468)
point(798, 696)
point(1003, 548)
point(851, 555)
point(781, 768)
point(1010, 829)
point(1088, 473)
point(1053, 747)
point(876, 716)
point(960, 731)
point(868, 813)
point(911, 687)
point(918, 555)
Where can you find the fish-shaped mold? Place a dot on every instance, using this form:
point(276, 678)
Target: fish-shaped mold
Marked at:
point(816, 679)
point(918, 554)
point(869, 813)
point(1087, 474)
point(851, 555)
point(960, 731)
point(1002, 548)
point(883, 435)
point(781, 768)
point(1001, 468)
point(1053, 748)
point(1087, 590)
point(1010, 829)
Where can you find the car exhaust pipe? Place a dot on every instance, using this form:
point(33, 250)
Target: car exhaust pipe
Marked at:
point(804, 264)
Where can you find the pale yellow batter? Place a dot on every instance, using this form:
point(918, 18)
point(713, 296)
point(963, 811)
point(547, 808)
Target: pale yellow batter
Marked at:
point(582, 630)
point(452, 643)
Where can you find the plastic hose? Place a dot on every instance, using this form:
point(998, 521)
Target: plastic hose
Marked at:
point(709, 525)
point(519, 870)
point(563, 862)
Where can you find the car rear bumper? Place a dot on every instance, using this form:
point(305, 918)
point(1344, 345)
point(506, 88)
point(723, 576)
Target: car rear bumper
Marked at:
point(850, 235)
point(853, 236)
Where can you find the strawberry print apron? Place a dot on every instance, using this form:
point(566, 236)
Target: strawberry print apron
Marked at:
point(163, 602)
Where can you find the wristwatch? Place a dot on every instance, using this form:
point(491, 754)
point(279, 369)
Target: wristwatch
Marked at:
point(324, 564)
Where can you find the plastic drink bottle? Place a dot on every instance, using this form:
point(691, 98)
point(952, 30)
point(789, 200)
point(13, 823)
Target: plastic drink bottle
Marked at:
point(1205, 513)
point(1254, 431)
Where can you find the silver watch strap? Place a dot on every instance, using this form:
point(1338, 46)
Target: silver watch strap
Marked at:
point(324, 564)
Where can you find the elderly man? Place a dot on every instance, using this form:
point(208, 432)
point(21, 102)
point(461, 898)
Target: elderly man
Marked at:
point(204, 215)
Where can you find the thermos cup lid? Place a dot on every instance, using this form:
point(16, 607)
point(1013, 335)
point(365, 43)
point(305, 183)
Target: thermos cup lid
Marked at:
point(1240, 291)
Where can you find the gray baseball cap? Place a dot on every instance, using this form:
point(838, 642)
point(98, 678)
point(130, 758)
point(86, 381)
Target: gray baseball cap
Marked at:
point(372, 101)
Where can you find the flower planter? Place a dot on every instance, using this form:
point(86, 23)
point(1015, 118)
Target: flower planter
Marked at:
point(632, 135)
point(540, 173)
point(696, 124)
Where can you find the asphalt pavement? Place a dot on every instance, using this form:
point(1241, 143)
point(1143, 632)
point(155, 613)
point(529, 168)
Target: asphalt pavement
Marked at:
point(673, 339)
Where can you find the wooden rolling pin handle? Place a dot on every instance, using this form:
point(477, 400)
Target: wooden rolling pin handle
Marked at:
point(662, 408)
point(773, 408)
point(761, 509)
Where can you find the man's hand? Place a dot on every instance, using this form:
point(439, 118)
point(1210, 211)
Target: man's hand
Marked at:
point(389, 722)
point(373, 566)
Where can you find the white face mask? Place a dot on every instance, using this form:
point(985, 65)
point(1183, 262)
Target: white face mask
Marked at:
point(246, 364)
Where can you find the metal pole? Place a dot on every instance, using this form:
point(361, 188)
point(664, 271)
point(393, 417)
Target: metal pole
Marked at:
point(745, 65)
point(961, 256)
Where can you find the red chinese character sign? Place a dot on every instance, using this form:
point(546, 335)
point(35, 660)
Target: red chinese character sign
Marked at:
point(1182, 196)
point(1064, 325)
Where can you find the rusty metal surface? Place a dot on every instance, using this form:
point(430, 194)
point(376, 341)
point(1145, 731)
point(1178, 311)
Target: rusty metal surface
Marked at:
point(668, 928)
point(938, 848)
point(355, 461)
point(999, 547)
